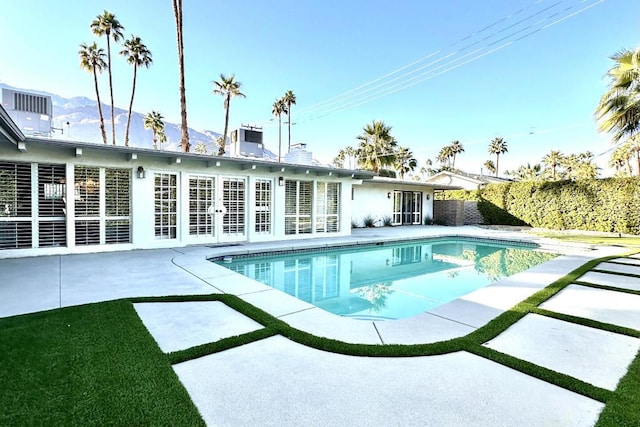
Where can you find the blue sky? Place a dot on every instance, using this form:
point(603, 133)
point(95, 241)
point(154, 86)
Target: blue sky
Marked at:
point(482, 79)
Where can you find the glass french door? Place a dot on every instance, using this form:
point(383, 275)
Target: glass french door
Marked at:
point(217, 208)
point(407, 207)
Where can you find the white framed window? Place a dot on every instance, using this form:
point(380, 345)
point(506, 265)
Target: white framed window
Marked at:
point(102, 205)
point(298, 207)
point(234, 201)
point(15, 206)
point(201, 198)
point(87, 205)
point(263, 206)
point(327, 207)
point(52, 224)
point(117, 189)
point(166, 205)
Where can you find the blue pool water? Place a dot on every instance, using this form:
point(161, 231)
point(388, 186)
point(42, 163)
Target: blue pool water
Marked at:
point(388, 281)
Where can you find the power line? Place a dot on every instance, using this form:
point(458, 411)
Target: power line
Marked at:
point(356, 96)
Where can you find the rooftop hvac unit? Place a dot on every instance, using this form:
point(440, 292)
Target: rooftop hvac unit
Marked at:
point(247, 142)
point(30, 112)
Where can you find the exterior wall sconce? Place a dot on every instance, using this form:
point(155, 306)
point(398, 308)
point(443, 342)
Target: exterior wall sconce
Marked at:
point(428, 196)
point(281, 181)
point(141, 173)
point(389, 195)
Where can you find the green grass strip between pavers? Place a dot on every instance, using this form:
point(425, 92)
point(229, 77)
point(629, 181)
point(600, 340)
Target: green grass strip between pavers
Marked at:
point(606, 288)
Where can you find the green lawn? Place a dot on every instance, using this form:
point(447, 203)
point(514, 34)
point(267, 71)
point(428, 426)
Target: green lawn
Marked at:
point(625, 241)
point(89, 365)
point(97, 364)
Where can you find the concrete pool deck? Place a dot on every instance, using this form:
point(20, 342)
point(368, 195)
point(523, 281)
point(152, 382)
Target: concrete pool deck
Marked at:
point(278, 382)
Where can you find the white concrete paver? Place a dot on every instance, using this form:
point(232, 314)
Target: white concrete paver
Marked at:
point(28, 285)
point(90, 278)
point(629, 261)
point(420, 329)
point(180, 325)
point(597, 357)
point(602, 305)
point(613, 280)
point(277, 382)
point(618, 268)
point(324, 324)
point(276, 303)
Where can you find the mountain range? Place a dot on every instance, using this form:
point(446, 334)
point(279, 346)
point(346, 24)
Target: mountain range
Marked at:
point(81, 114)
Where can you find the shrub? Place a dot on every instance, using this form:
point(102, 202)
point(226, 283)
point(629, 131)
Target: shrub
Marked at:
point(386, 221)
point(369, 221)
point(610, 204)
point(354, 223)
point(428, 220)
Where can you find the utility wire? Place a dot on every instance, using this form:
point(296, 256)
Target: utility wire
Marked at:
point(429, 74)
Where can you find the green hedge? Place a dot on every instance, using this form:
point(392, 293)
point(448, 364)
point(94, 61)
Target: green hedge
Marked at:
point(611, 204)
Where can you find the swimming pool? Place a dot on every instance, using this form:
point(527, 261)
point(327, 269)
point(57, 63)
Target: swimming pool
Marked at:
point(388, 280)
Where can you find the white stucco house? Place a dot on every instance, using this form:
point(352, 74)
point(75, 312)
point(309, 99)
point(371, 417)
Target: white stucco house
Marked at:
point(59, 197)
point(466, 181)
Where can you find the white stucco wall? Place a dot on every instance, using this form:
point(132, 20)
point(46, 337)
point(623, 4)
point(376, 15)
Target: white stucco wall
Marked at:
point(143, 194)
point(371, 199)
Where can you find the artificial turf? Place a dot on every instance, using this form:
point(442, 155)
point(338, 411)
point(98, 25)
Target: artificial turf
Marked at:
point(97, 364)
point(88, 365)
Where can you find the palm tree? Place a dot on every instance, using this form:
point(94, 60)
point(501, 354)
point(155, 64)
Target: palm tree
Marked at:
point(621, 157)
point(201, 148)
point(498, 146)
point(456, 148)
point(444, 156)
point(405, 161)
point(289, 99)
point(279, 107)
point(526, 173)
point(619, 108)
point(92, 60)
point(553, 160)
point(345, 154)
point(155, 122)
point(137, 55)
point(228, 88)
point(177, 12)
point(490, 166)
point(108, 25)
point(377, 147)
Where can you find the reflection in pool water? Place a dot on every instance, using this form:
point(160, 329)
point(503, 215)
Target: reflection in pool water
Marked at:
point(390, 281)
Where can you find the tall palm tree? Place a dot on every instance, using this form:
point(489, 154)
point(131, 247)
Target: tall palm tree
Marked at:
point(405, 161)
point(137, 55)
point(92, 60)
point(444, 156)
point(498, 146)
point(377, 147)
point(619, 108)
point(155, 122)
point(177, 12)
point(289, 99)
point(552, 161)
point(228, 88)
point(108, 25)
point(456, 148)
point(279, 107)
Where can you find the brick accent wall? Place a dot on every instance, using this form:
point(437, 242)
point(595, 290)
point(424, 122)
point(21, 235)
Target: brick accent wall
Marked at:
point(471, 213)
point(448, 212)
